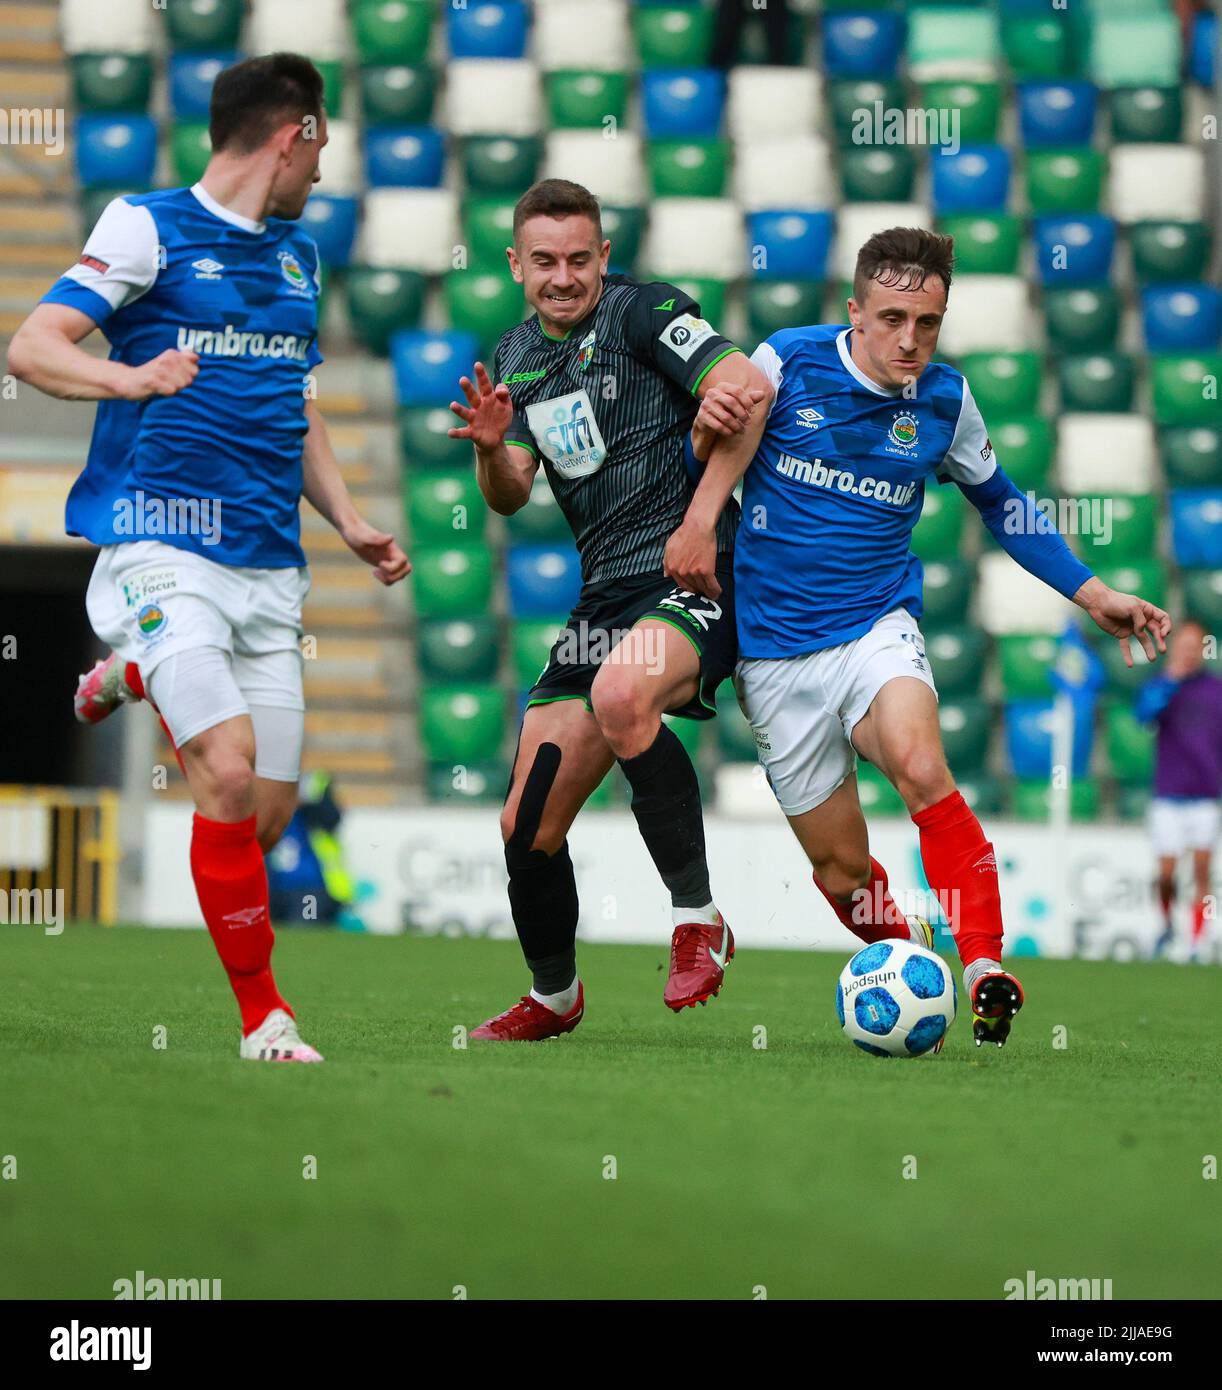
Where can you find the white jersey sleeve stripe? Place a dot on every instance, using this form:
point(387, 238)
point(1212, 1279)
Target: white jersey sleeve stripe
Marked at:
point(766, 358)
point(970, 458)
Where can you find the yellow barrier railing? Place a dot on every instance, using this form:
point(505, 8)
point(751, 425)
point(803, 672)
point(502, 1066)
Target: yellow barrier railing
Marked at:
point(59, 839)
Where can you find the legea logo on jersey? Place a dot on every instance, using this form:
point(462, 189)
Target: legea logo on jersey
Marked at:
point(207, 269)
point(568, 434)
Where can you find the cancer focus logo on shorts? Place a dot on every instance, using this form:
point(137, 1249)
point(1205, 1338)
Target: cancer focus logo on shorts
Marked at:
point(152, 621)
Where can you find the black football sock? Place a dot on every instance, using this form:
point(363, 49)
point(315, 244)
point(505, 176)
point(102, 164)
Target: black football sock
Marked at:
point(666, 804)
point(543, 900)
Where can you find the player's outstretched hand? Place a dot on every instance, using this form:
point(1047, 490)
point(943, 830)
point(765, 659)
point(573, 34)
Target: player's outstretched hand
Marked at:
point(164, 375)
point(690, 559)
point(726, 408)
point(1124, 616)
point(486, 415)
point(379, 549)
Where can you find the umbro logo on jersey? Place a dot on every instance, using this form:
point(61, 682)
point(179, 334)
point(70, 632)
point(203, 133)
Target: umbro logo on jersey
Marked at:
point(809, 417)
point(207, 269)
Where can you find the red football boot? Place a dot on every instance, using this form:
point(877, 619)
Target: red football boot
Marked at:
point(530, 1021)
point(699, 955)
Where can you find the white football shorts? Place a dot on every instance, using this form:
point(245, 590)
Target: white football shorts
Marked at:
point(211, 641)
point(803, 709)
point(1177, 826)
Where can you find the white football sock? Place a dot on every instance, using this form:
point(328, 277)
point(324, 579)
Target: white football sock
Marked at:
point(560, 1003)
point(973, 972)
point(916, 933)
point(707, 916)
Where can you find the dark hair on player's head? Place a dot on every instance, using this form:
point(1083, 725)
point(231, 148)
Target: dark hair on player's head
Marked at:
point(557, 198)
point(254, 98)
point(903, 258)
point(1191, 620)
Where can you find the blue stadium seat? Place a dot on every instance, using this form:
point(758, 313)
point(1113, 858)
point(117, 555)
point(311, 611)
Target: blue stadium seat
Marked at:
point(542, 579)
point(794, 243)
point(116, 151)
point(331, 220)
point(191, 77)
point(404, 156)
point(487, 30)
point(1057, 113)
point(859, 44)
point(427, 365)
point(1196, 527)
point(976, 179)
point(1203, 50)
point(1181, 318)
point(1028, 726)
point(1075, 249)
point(680, 102)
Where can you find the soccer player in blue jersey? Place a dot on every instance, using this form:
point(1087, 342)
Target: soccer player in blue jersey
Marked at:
point(206, 437)
point(832, 663)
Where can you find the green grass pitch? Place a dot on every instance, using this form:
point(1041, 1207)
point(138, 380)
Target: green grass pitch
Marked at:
point(736, 1167)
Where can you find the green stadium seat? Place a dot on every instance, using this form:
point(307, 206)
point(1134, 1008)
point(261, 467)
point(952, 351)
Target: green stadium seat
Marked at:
point(1130, 746)
point(1147, 578)
point(1147, 113)
point(392, 31)
point(500, 164)
point(1133, 50)
point(451, 581)
point(458, 649)
point(489, 227)
point(530, 644)
point(978, 105)
point(877, 796)
point(687, 731)
point(112, 81)
point(1025, 662)
point(473, 784)
point(1185, 387)
point(462, 723)
point(332, 71)
point(424, 441)
point(1082, 319)
point(984, 794)
point(1133, 531)
point(710, 294)
point(578, 100)
point(205, 25)
point(190, 150)
point(945, 37)
point(1203, 596)
point(1003, 383)
point(940, 525)
point(623, 227)
point(1192, 456)
point(957, 656)
point(948, 591)
point(94, 202)
point(1169, 251)
point(540, 519)
point(1068, 180)
point(381, 301)
point(847, 96)
point(1032, 801)
point(445, 508)
point(776, 304)
point(1024, 449)
point(673, 36)
point(985, 243)
point(1132, 803)
point(486, 304)
point(1121, 678)
point(734, 736)
point(877, 174)
point(1036, 46)
point(753, 42)
point(398, 94)
point(1097, 381)
point(688, 168)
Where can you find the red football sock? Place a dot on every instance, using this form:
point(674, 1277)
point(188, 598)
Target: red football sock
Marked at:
point(962, 870)
point(1166, 897)
point(1198, 920)
point(231, 881)
point(871, 914)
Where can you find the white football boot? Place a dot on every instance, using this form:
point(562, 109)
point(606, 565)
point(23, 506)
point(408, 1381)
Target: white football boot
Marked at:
point(276, 1039)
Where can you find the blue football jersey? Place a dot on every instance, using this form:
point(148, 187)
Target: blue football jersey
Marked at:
point(217, 467)
point(832, 495)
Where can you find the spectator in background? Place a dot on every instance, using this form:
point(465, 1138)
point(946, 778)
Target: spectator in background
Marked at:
point(733, 14)
point(1186, 703)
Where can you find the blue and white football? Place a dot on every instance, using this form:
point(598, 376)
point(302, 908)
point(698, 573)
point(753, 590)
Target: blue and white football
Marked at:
point(896, 999)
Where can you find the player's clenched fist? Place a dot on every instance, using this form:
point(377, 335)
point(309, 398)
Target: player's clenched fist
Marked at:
point(165, 375)
point(487, 414)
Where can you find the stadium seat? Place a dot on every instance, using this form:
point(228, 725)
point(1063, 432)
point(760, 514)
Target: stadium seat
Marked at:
point(983, 793)
point(1169, 251)
point(1129, 529)
point(1086, 319)
point(341, 160)
point(499, 164)
point(191, 76)
point(319, 29)
point(957, 657)
point(331, 221)
point(1145, 577)
point(1074, 250)
point(673, 36)
point(1025, 661)
point(1056, 113)
point(542, 579)
point(1122, 678)
point(975, 105)
point(541, 518)
point(451, 581)
point(1192, 455)
point(1203, 49)
point(1036, 45)
point(1032, 800)
point(947, 41)
point(708, 291)
point(1147, 113)
point(582, 99)
point(468, 784)
point(462, 723)
point(793, 171)
point(1181, 318)
point(856, 223)
point(115, 150)
point(1097, 381)
point(1129, 50)
point(976, 179)
point(776, 304)
point(768, 101)
point(486, 29)
point(940, 525)
point(1184, 388)
point(1024, 449)
point(1028, 729)
point(700, 237)
point(985, 243)
point(877, 174)
point(965, 726)
point(1011, 600)
point(1157, 183)
point(410, 229)
point(734, 736)
point(1106, 453)
point(445, 508)
point(851, 102)
point(602, 41)
point(1003, 383)
point(1066, 180)
point(112, 81)
point(390, 32)
point(458, 649)
point(1196, 527)
point(484, 304)
point(493, 96)
point(1130, 746)
point(948, 591)
point(864, 43)
point(398, 94)
point(610, 169)
point(689, 168)
point(624, 228)
point(332, 72)
point(1203, 596)
point(530, 644)
point(682, 104)
point(488, 226)
point(119, 26)
point(877, 796)
point(204, 25)
point(423, 439)
point(427, 365)
point(789, 245)
point(404, 157)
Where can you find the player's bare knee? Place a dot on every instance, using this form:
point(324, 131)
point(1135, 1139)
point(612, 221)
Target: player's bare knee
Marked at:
point(625, 715)
point(922, 777)
point(842, 875)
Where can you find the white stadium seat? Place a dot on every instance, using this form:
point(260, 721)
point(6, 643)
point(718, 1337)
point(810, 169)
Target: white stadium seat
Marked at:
point(602, 42)
point(1106, 453)
point(856, 223)
point(493, 96)
point(694, 236)
point(987, 313)
point(769, 101)
point(788, 171)
point(410, 228)
point(1011, 601)
point(610, 169)
point(118, 26)
point(318, 29)
point(340, 161)
point(1151, 182)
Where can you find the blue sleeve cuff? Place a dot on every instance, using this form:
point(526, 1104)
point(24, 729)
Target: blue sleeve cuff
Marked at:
point(67, 291)
point(693, 465)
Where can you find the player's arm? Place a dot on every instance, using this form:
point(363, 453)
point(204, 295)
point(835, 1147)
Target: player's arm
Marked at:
point(505, 464)
point(325, 490)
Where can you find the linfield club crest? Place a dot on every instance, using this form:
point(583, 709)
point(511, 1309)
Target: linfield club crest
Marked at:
point(903, 430)
point(586, 352)
point(291, 269)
